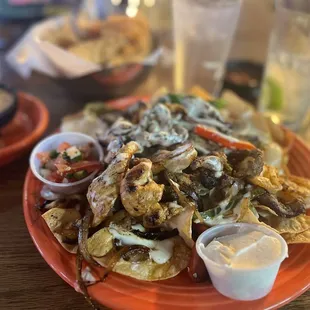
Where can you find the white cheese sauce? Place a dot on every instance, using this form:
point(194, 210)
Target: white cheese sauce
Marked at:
point(160, 251)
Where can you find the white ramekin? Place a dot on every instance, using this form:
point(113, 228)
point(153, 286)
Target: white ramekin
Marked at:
point(52, 142)
point(240, 284)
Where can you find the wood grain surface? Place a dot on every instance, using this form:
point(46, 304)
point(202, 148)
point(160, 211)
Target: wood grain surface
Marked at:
point(27, 282)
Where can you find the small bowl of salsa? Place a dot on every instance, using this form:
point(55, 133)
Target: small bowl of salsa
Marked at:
point(66, 162)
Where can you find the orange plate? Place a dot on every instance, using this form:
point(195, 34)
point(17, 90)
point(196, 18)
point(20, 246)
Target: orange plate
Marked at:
point(120, 292)
point(27, 126)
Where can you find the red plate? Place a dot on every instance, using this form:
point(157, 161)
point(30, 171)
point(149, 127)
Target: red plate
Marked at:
point(120, 292)
point(27, 126)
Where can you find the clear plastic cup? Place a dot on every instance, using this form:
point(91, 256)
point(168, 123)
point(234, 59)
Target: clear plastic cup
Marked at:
point(240, 284)
point(285, 92)
point(203, 32)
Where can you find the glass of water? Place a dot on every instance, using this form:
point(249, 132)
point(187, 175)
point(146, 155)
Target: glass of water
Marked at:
point(203, 32)
point(285, 93)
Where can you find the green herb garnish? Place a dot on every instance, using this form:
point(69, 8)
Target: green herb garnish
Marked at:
point(171, 98)
point(70, 176)
point(53, 154)
point(80, 174)
point(219, 210)
point(218, 103)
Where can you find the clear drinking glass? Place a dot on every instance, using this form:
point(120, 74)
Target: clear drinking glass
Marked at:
point(203, 32)
point(285, 94)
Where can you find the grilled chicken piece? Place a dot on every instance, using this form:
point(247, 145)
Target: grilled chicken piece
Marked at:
point(140, 194)
point(174, 161)
point(104, 190)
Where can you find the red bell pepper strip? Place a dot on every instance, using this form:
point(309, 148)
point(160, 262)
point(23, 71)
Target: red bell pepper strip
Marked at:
point(222, 139)
point(89, 166)
point(63, 146)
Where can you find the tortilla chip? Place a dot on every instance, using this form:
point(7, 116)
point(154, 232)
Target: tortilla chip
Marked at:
point(59, 220)
point(303, 237)
point(300, 181)
point(198, 91)
point(71, 248)
point(247, 216)
point(149, 270)
point(183, 222)
point(268, 179)
point(100, 243)
point(280, 135)
point(296, 187)
point(242, 208)
point(293, 225)
point(266, 209)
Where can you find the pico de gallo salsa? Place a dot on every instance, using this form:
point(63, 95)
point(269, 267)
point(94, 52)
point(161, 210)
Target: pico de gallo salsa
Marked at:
point(68, 163)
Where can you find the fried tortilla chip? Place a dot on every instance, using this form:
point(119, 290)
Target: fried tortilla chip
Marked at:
point(241, 209)
point(246, 215)
point(148, 270)
point(183, 222)
point(268, 179)
point(296, 187)
point(100, 243)
point(266, 209)
point(293, 225)
point(62, 222)
point(300, 181)
point(303, 237)
point(280, 135)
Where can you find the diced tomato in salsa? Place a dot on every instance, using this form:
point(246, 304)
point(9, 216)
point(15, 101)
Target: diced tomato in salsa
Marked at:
point(63, 146)
point(44, 157)
point(55, 177)
point(63, 167)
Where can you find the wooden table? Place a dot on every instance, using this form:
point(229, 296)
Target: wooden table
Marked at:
point(27, 282)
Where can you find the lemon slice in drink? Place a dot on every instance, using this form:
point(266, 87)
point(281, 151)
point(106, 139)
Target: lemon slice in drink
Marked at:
point(272, 93)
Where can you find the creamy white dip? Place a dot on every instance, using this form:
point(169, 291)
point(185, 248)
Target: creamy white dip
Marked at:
point(251, 249)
